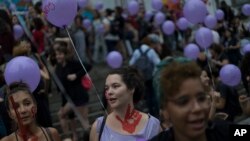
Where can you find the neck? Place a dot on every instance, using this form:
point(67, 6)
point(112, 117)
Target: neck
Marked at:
point(29, 130)
point(121, 112)
point(181, 137)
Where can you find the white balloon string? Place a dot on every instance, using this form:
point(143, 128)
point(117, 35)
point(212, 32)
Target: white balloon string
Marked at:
point(95, 89)
point(209, 66)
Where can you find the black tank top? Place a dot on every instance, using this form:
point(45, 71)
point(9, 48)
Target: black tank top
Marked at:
point(47, 131)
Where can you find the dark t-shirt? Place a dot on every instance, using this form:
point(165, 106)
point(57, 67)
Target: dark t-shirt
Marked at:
point(216, 131)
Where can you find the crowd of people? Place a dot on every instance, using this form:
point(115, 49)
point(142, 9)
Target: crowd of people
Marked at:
point(185, 99)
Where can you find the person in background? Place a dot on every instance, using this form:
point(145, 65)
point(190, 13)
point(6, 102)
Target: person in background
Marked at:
point(123, 88)
point(70, 72)
point(188, 109)
point(22, 108)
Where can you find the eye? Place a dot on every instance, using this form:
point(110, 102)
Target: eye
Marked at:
point(182, 101)
point(27, 103)
point(116, 86)
point(202, 97)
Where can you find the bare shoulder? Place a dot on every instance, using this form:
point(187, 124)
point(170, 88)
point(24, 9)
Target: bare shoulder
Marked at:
point(11, 137)
point(54, 134)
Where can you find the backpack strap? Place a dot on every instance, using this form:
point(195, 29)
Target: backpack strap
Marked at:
point(102, 126)
point(144, 53)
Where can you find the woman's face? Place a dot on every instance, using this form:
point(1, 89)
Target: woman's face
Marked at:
point(189, 109)
point(116, 92)
point(204, 78)
point(60, 57)
point(25, 106)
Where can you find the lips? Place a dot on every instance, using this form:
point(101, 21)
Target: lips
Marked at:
point(112, 100)
point(197, 124)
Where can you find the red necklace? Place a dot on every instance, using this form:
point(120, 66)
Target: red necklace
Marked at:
point(131, 120)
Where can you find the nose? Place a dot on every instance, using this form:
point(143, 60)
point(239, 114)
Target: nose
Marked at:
point(196, 106)
point(21, 109)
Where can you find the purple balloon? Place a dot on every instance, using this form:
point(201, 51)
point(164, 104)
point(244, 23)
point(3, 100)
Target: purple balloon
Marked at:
point(230, 75)
point(195, 11)
point(159, 18)
point(22, 69)
point(12, 7)
point(148, 15)
point(210, 21)
point(204, 37)
point(60, 12)
point(157, 4)
point(246, 48)
point(219, 14)
point(246, 9)
point(114, 59)
point(168, 27)
point(191, 51)
point(82, 3)
point(18, 31)
point(182, 23)
point(99, 5)
point(133, 7)
point(86, 23)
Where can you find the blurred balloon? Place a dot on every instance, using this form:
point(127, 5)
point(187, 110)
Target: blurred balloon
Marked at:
point(210, 21)
point(230, 75)
point(148, 15)
point(182, 23)
point(99, 5)
point(204, 37)
point(195, 11)
point(157, 4)
point(191, 51)
point(12, 7)
point(60, 12)
point(246, 48)
point(219, 14)
point(114, 59)
point(246, 9)
point(133, 7)
point(168, 27)
point(82, 3)
point(159, 18)
point(22, 69)
point(18, 31)
point(86, 23)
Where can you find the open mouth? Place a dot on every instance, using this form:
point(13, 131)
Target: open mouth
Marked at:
point(197, 124)
point(112, 100)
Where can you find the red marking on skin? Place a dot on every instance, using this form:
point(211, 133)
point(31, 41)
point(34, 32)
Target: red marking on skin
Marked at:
point(131, 120)
point(23, 132)
point(33, 111)
point(106, 95)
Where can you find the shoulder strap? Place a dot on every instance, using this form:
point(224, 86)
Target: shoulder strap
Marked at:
point(144, 53)
point(49, 133)
point(102, 126)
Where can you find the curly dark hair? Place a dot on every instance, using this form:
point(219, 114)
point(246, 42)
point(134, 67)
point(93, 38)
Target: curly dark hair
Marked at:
point(174, 75)
point(133, 79)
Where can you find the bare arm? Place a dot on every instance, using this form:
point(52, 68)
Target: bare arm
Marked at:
point(93, 134)
point(55, 134)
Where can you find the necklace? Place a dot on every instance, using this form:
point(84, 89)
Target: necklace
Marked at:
point(131, 120)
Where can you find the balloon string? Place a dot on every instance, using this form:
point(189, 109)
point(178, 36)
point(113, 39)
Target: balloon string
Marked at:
point(95, 89)
point(209, 66)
